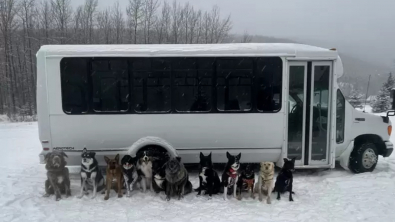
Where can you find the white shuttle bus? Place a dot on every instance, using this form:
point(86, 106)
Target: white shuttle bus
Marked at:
point(267, 101)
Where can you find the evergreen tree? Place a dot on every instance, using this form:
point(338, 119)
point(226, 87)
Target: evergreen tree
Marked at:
point(356, 98)
point(383, 101)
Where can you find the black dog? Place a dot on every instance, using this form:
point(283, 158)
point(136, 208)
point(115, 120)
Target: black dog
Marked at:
point(208, 179)
point(129, 172)
point(246, 181)
point(159, 173)
point(58, 181)
point(284, 179)
point(91, 176)
point(231, 174)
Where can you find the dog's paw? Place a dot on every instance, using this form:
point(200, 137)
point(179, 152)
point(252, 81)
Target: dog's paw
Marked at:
point(167, 198)
point(58, 198)
point(128, 195)
point(260, 199)
point(291, 199)
point(106, 197)
point(119, 195)
point(46, 195)
point(268, 201)
point(93, 197)
point(80, 196)
point(209, 198)
point(239, 197)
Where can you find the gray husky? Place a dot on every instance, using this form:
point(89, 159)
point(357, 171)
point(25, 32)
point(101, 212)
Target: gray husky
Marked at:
point(177, 179)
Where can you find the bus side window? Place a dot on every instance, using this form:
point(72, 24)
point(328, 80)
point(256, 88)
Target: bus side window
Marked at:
point(110, 85)
point(268, 84)
point(74, 85)
point(340, 117)
point(234, 84)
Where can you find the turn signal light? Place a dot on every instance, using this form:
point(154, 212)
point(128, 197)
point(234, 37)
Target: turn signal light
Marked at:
point(389, 130)
point(45, 149)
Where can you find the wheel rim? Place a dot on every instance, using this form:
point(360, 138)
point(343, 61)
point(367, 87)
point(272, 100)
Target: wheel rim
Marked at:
point(369, 158)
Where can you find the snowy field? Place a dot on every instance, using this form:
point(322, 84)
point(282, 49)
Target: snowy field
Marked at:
point(330, 195)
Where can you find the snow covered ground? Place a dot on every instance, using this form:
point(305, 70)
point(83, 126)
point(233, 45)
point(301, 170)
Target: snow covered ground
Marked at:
point(331, 195)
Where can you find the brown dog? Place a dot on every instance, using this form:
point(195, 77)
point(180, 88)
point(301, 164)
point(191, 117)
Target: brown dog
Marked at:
point(113, 176)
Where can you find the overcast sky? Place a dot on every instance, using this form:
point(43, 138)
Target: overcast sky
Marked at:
point(360, 27)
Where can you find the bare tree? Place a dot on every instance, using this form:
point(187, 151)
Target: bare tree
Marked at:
point(118, 22)
point(104, 26)
point(177, 15)
point(246, 38)
point(163, 24)
point(135, 13)
point(88, 16)
point(150, 8)
point(7, 27)
point(45, 18)
point(62, 12)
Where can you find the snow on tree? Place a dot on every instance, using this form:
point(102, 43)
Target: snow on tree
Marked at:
point(356, 98)
point(383, 100)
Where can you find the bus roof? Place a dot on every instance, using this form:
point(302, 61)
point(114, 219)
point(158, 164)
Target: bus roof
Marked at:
point(185, 50)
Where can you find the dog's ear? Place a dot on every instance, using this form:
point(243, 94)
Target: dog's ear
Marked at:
point(228, 155)
point(239, 156)
point(209, 155)
point(107, 159)
point(93, 154)
point(117, 158)
point(64, 154)
point(285, 160)
point(262, 163)
point(293, 160)
point(201, 155)
point(178, 159)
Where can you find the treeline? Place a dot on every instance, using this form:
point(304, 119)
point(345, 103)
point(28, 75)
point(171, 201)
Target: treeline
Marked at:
point(25, 25)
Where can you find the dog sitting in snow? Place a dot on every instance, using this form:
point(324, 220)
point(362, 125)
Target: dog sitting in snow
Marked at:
point(159, 173)
point(209, 181)
point(265, 181)
point(91, 176)
point(114, 176)
point(58, 180)
point(177, 179)
point(246, 181)
point(129, 173)
point(230, 175)
point(144, 169)
point(284, 181)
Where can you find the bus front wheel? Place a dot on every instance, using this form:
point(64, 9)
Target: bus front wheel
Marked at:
point(363, 158)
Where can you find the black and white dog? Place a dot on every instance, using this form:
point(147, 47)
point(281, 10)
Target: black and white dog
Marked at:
point(284, 181)
point(129, 172)
point(91, 176)
point(144, 169)
point(208, 179)
point(159, 173)
point(231, 174)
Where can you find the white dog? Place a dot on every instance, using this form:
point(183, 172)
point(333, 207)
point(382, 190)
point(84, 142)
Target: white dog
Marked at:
point(265, 181)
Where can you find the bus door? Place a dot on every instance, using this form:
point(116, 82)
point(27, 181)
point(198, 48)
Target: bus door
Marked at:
point(309, 96)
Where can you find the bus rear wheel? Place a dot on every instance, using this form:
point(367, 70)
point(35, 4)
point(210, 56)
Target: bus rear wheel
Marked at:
point(363, 158)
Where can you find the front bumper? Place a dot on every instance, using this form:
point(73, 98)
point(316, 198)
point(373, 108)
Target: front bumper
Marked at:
point(389, 147)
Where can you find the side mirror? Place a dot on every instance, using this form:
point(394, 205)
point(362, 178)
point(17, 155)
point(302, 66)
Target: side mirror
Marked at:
point(392, 98)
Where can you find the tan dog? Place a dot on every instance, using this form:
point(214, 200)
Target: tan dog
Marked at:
point(265, 181)
point(113, 175)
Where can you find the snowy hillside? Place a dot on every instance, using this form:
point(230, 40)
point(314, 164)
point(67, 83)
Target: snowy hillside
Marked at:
point(331, 195)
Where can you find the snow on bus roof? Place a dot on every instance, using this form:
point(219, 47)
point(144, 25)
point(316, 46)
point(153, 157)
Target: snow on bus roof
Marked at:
point(155, 50)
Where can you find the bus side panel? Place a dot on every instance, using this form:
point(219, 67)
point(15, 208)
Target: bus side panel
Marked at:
point(42, 102)
point(194, 132)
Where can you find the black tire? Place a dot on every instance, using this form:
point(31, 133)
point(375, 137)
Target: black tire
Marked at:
point(356, 164)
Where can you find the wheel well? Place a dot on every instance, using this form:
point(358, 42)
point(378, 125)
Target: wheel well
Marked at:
point(152, 147)
point(370, 138)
